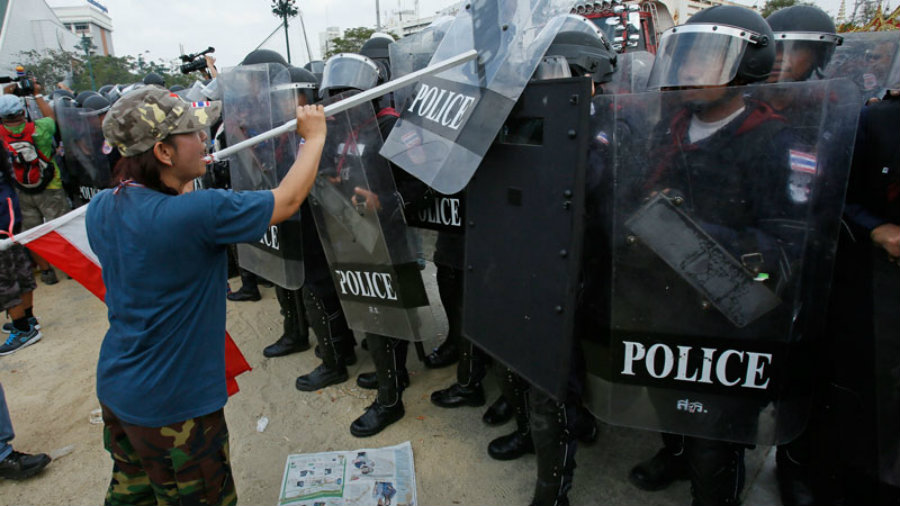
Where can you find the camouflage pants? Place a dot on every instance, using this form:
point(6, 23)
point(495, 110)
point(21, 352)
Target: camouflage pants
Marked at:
point(185, 463)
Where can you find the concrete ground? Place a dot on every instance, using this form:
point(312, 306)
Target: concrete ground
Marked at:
point(50, 390)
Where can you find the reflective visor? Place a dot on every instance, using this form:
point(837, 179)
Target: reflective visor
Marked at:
point(798, 54)
point(347, 70)
point(699, 55)
point(552, 67)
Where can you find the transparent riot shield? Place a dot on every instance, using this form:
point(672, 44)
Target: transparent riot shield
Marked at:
point(524, 233)
point(448, 126)
point(721, 244)
point(412, 53)
point(632, 71)
point(85, 151)
point(870, 59)
point(34, 112)
point(254, 104)
point(359, 216)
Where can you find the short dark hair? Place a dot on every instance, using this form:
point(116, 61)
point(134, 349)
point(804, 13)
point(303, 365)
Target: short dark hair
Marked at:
point(144, 168)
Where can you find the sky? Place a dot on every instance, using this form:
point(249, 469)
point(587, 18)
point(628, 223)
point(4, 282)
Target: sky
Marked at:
point(159, 28)
point(235, 27)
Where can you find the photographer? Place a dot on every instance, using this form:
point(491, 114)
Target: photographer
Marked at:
point(161, 371)
point(37, 176)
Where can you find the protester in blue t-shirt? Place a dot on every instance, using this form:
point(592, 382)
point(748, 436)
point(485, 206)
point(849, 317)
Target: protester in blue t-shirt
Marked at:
point(161, 372)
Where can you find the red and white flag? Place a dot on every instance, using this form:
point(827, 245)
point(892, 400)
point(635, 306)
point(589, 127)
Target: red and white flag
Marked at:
point(63, 242)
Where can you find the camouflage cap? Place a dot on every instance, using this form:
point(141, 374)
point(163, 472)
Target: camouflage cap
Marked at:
point(140, 119)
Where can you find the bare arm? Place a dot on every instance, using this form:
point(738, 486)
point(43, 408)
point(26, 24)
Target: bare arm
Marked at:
point(295, 186)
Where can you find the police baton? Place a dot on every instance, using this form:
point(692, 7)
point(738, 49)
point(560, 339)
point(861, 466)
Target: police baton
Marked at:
point(349, 103)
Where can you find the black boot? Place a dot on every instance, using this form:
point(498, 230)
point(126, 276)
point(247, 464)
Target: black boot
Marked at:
point(499, 413)
point(444, 355)
point(450, 290)
point(717, 471)
point(519, 443)
point(457, 395)
point(585, 429)
point(376, 418)
point(296, 329)
point(554, 444)
point(669, 464)
point(321, 377)
point(387, 354)
point(369, 380)
point(249, 290)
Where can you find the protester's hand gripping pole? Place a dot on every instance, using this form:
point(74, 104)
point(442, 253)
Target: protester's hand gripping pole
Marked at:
point(349, 103)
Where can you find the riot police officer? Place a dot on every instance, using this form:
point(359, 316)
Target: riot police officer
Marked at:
point(349, 72)
point(805, 38)
point(299, 91)
point(692, 147)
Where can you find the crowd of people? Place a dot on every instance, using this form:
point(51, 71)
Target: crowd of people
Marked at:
point(734, 145)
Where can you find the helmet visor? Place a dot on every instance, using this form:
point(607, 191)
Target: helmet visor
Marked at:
point(699, 55)
point(349, 71)
point(798, 55)
point(552, 67)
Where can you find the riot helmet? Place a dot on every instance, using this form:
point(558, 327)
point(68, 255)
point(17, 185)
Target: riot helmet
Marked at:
point(96, 103)
point(175, 88)
point(585, 48)
point(155, 79)
point(113, 94)
point(376, 49)
point(348, 71)
point(304, 82)
point(58, 94)
point(805, 38)
point(81, 97)
point(317, 67)
point(717, 46)
point(103, 90)
point(263, 56)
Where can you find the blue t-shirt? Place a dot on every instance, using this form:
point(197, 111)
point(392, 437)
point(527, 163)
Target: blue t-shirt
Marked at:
point(165, 268)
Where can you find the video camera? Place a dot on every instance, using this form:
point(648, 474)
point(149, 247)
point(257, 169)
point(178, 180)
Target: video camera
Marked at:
point(195, 62)
point(24, 82)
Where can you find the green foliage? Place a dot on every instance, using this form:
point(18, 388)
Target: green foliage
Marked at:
point(773, 5)
point(351, 42)
point(54, 66)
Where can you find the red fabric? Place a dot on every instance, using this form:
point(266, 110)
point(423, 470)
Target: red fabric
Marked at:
point(69, 259)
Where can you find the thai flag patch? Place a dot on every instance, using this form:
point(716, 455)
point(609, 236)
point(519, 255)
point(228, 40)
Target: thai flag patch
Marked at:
point(199, 105)
point(602, 138)
point(803, 162)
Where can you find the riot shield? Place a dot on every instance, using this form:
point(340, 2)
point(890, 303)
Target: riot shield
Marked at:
point(412, 53)
point(85, 151)
point(448, 126)
point(632, 71)
point(254, 104)
point(721, 245)
point(523, 239)
point(870, 59)
point(359, 216)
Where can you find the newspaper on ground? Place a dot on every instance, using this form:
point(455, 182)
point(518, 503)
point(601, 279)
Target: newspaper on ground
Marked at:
point(374, 476)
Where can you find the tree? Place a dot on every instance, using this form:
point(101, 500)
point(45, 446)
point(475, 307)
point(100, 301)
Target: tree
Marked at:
point(285, 9)
point(351, 42)
point(52, 66)
point(774, 5)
